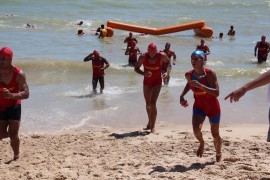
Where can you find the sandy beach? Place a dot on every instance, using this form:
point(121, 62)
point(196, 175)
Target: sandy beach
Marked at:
point(132, 153)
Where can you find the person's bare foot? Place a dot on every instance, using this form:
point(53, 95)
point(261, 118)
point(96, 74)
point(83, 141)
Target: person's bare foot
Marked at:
point(218, 157)
point(200, 150)
point(147, 127)
point(153, 130)
point(15, 158)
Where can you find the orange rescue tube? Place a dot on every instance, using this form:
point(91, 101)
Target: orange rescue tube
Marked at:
point(180, 27)
point(129, 27)
point(165, 30)
point(110, 32)
point(204, 32)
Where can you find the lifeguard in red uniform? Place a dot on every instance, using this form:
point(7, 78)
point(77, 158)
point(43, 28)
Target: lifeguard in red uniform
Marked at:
point(98, 63)
point(152, 62)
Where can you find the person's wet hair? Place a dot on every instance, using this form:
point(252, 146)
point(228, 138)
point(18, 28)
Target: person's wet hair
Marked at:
point(220, 35)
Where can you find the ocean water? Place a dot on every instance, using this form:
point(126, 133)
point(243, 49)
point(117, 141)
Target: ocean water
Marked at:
point(51, 55)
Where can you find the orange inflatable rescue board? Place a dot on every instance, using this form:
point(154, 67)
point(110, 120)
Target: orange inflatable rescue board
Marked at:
point(201, 30)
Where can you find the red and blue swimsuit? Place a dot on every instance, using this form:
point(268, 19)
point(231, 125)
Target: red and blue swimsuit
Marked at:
point(205, 104)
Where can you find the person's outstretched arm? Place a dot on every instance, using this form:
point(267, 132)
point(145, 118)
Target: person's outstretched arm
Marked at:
point(259, 81)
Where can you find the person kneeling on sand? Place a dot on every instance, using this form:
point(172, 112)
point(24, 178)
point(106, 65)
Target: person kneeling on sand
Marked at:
point(203, 82)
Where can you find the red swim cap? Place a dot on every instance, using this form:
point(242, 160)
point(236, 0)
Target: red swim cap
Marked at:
point(130, 33)
point(95, 52)
point(6, 53)
point(152, 48)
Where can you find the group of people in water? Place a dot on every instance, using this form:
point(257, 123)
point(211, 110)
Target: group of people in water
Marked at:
point(200, 80)
point(156, 64)
point(100, 31)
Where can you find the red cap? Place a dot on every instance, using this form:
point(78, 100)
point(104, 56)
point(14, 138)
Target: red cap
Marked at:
point(263, 36)
point(152, 48)
point(130, 33)
point(95, 52)
point(6, 53)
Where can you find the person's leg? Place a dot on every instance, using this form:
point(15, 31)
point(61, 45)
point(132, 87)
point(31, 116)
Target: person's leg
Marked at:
point(268, 136)
point(197, 122)
point(260, 59)
point(217, 140)
point(94, 83)
point(133, 62)
point(101, 82)
point(13, 132)
point(154, 97)
point(129, 62)
point(147, 92)
point(166, 80)
point(3, 129)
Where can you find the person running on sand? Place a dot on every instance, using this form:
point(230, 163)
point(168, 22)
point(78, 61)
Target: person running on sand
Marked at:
point(263, 79)
point(13, 88)
point(203, 47)
point(203, 82)
point(166, 68)
point(129, 39)
point(98, 63)
point(263, 50)
point(152, 62)
point(132, 52)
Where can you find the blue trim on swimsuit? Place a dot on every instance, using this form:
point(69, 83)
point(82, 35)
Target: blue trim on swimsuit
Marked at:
point(213, 120)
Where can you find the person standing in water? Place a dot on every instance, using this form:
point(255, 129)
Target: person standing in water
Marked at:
point(203, 82)
point(98, 63)
point(152, 62)
point(132, 51)
point(129, 39)
point(203, 47)
point(263, 48)
point(231, 32)
point(166, 68)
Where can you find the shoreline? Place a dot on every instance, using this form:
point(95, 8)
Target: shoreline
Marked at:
point(131, 153)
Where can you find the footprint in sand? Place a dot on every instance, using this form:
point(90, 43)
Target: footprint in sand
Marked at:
point(231, 159)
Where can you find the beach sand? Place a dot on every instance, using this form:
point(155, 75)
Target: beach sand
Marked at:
point(131, 153)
